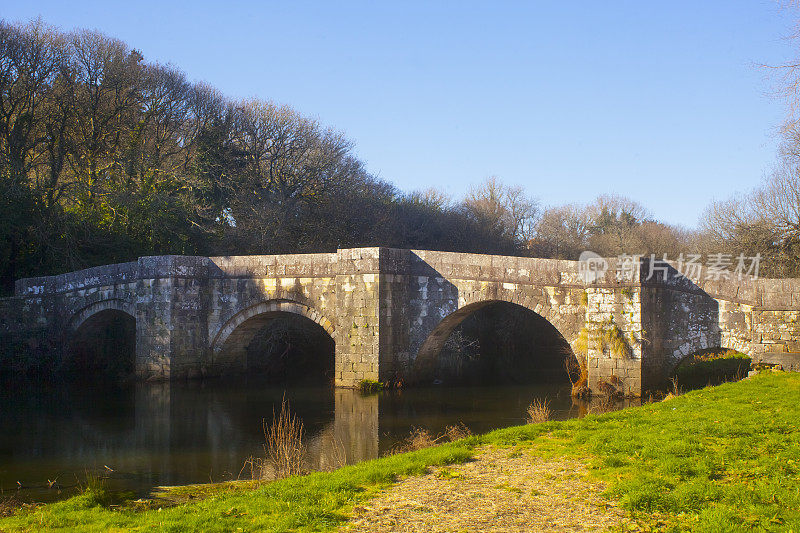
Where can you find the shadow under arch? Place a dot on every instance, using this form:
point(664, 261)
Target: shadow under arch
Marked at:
point(276, 338)
point(101, 342)
point(425, 364)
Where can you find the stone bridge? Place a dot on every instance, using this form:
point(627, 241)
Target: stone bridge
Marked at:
point(389, 311)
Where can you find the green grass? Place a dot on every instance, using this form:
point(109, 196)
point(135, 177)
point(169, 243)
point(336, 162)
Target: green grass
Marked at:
point(722, 458)
point(369, 386)
point(316, 502)
point(712, 366)
point(725, 458)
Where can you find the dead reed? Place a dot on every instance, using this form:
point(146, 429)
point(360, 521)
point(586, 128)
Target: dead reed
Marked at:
point(335, 455)
point(283, 447)
point(578, 374)
point(539, 411)
point(9, 506)
point(674, 388)
point(612, 387)
point(284, 442)
point(419, 438)
point(457, 432)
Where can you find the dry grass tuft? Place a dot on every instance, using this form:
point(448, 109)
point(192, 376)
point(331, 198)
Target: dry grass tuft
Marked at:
point(419, 438)
point(457, 432)
point(581, 345)
point(613, 341)
point(284, 442)
point(674, 390)
point(674, 387)
point(611, 387)
point(283, 447)
point(539, 411)
point(578, 374)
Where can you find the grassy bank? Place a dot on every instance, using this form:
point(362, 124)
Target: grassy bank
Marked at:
point(712, 367)
point(718, 459)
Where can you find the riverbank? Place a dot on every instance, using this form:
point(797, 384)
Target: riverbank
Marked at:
point(721, 458)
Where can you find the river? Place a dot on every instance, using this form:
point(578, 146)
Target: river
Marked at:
point(152, 434)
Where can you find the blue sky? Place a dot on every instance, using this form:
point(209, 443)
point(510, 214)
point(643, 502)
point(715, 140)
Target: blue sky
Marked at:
point(661, 102)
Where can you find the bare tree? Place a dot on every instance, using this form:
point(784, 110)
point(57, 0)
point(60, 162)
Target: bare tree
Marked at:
point(432, 197)
point(562, 232)
point(615, 220)
point(290, 163)
point(505, 209)
point(778, 201)
point(786, 75)
point(31, 57)
point(107, 95)
point(737, 226)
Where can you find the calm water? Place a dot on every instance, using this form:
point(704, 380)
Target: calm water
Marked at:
point(161, 434)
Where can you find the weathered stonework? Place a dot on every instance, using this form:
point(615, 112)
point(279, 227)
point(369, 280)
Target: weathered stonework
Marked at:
point(390, 311)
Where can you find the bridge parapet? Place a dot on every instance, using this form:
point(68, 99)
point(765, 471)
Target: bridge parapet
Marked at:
point(82, 279)
point(266, 266)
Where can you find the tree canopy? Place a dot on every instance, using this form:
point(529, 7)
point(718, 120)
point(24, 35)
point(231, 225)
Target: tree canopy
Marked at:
point(105, 157)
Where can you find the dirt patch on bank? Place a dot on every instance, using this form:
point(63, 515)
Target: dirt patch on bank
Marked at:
point(501, 490)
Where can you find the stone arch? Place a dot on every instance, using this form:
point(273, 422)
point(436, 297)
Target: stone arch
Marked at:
point(687, 350)
point(233, 350)
point(537, 301)
point(269, 306)
point(100, 340)
point(115, 304)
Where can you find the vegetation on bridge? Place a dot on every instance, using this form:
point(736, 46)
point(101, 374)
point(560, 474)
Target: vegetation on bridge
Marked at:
point(718, 459)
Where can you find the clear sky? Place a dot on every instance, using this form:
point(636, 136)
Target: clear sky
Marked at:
point(660, 101)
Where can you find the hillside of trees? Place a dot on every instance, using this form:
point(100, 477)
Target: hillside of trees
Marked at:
point(105, 157)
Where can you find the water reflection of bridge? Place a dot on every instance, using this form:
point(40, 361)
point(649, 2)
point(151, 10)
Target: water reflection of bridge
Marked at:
point(342, 426)
point(170, 418)
point(162, 433)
